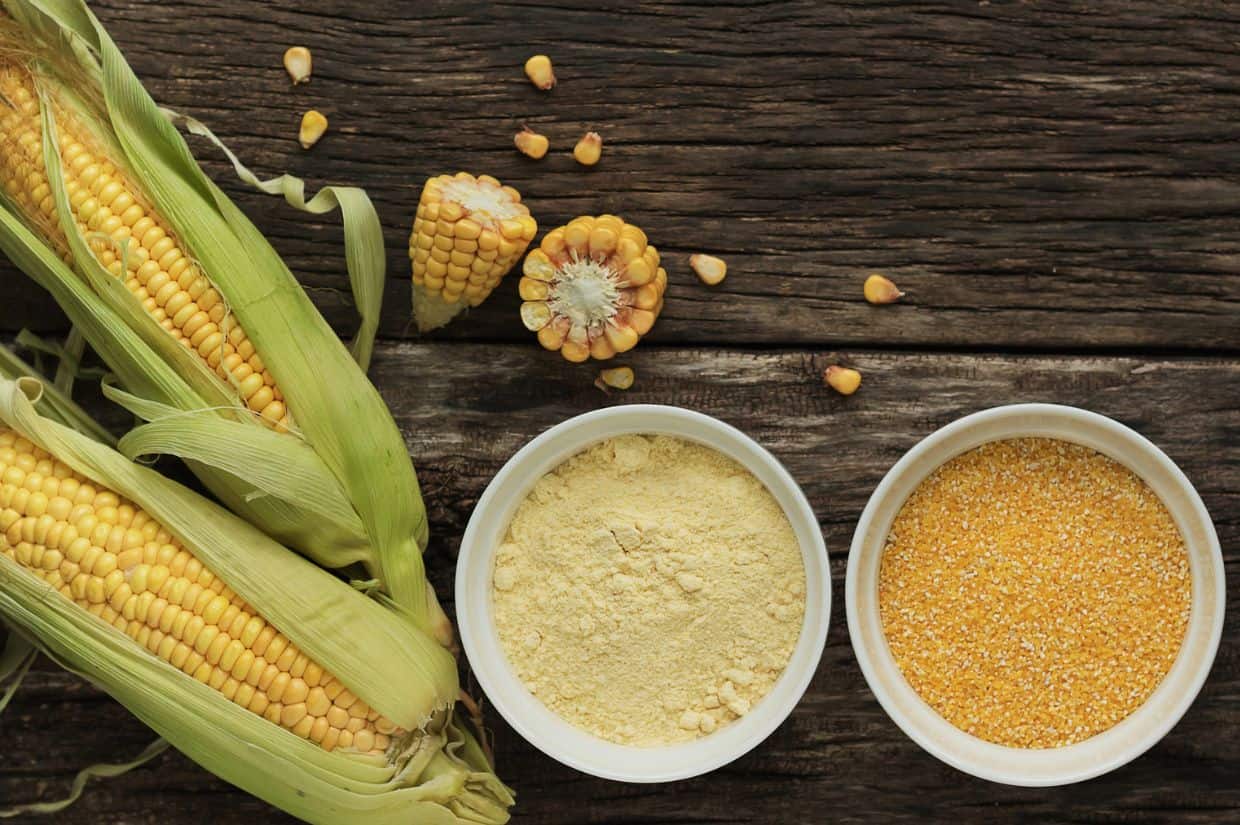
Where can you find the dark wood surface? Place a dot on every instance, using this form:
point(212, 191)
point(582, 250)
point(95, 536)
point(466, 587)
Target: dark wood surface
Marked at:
point(1057, 186)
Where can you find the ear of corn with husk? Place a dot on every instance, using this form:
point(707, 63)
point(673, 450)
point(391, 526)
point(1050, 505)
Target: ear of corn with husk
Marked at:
point(209, 334)
point(265, 669)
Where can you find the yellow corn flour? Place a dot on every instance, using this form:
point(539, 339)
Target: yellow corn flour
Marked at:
point(649, 590)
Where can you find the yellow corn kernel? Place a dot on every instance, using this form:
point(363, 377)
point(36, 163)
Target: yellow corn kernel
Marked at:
point(297, 63)
point(538, 70)
point(313, 126)
point(843, 380)
point(620, 378)
point(881, 290)
point(531, 144)
point(710, 270)
point(589, 149)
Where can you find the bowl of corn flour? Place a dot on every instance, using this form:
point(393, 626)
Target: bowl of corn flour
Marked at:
point(643, 593)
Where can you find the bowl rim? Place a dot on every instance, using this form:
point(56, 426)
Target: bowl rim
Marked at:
point(557, 737)
point(895, 695)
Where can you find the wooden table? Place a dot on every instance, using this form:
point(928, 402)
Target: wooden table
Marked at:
point(1056, 186)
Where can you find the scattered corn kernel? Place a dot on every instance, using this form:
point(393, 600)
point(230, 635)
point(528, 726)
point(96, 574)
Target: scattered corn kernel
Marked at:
point(1034, 592)
point(880, 290)
point(531, 143)
point(843, 380)
point(589, 149)
point(538, 70)
point(468, 233)
point(593, 288)
point(620, 378)
point(297, 63)
point(710, 270)
point(313, 125)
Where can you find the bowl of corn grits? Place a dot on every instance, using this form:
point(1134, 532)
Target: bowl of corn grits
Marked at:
point(1035, 594)
point(643, 593)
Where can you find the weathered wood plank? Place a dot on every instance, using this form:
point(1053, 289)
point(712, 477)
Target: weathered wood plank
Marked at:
point(466, 408)
point(1053, 175)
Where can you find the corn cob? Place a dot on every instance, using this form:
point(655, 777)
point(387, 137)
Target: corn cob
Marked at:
point(116, 562)
point(128, 238)
point(593, 288)
point(339, 492)
point(468, 233)
point(173, 606)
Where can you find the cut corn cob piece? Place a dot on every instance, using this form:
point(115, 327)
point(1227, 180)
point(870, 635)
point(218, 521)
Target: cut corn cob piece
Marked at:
point(593, 288)
point(468, 233)
point(113, 560)
point(127, 237)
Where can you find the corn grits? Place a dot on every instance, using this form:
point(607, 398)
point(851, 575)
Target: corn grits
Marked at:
point(1034, 592)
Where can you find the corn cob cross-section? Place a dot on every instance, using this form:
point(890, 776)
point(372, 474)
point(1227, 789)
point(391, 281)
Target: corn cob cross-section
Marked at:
point(593, 288)
point(113, 560)
point(468, 233)
point(128, 238)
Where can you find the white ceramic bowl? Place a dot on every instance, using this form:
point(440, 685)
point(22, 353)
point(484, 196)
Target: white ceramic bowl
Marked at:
point(1101, 753)
point(525, 713)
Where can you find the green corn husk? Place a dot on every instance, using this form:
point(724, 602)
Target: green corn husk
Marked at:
point(53, 402)
point(339, 487)
point(435, 775)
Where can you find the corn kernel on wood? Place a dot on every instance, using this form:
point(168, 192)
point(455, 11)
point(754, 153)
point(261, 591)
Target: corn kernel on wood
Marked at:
point(589, 149)
point(531, 143)
point(709, 269)
point(468, 233)
point(538, 70)
point(313, 127)
point(620, 378)
point(298, 63)
point(843, 380)
point(879, 289)
point(593, 288)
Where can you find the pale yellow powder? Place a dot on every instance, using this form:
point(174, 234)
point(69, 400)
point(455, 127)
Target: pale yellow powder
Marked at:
point(649, 590)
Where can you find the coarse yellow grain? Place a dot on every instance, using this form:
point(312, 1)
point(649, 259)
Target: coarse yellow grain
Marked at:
point(1034, 592)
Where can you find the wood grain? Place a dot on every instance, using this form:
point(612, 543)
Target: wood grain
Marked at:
point(465, 408)
point(1055, 185)
point(1051, 176)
